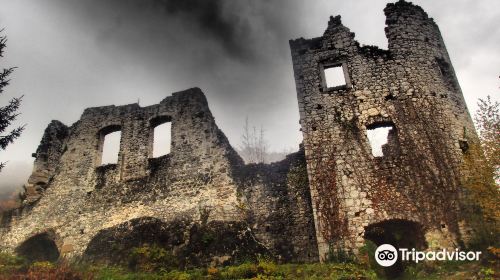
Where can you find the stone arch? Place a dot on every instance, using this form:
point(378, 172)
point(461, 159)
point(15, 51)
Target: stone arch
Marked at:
point(109, 129)
point(40, 247)
point(160, 120)
point(400, 233)
point(191, 243)
point(113, 245)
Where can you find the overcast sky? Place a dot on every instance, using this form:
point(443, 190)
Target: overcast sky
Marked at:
point(74, 54)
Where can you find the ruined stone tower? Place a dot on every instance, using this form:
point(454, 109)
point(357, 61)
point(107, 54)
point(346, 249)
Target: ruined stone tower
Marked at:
point(411, 89)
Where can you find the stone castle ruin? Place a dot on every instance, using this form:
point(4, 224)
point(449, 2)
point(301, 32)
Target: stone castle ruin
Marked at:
point(203, 204)
point(411, 89)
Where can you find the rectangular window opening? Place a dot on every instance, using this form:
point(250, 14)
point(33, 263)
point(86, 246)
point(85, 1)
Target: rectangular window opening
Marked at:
point(334, 76)
point(111, 148)
point(162, 139)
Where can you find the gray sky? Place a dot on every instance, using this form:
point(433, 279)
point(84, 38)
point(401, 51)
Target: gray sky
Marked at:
point(74, 54)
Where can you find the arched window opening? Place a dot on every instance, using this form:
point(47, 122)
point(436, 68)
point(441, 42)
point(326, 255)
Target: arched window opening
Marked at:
point(40, 247)
point(110, 138)
point(162, 139)
point(161, 136)
point(383, 139)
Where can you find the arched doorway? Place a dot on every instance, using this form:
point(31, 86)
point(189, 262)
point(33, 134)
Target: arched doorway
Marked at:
point(399, 233)
point(182, 243)
point(40, 247)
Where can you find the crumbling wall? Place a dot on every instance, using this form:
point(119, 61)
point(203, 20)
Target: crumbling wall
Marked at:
point(277, 203)
point(411, 86)
point(46, 160)
point(84, 197)
point(196, 188)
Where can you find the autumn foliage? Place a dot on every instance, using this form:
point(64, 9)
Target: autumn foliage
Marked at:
point(480, 177)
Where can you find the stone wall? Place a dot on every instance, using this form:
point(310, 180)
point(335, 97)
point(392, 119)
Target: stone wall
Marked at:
point(207, 207)
point(410, 87)
point(197, 188)
point(278, 207)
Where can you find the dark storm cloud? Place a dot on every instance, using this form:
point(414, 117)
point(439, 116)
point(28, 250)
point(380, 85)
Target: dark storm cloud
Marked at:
point(237, 51)
point(243, 30)
point(210, 18)
point(94, 53)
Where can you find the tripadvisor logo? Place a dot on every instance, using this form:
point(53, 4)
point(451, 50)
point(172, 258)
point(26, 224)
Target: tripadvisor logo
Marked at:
point(386, 255)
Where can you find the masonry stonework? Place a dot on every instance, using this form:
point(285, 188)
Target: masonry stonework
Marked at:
point(412, 88)
point(200, 200)
point(203, 204)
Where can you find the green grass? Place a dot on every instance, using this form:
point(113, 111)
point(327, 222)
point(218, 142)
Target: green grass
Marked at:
point(12, 267)
point(316, 271)
point(261, 270)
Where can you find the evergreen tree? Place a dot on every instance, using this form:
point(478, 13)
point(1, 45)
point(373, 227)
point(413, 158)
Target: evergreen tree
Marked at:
point(8, 113)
